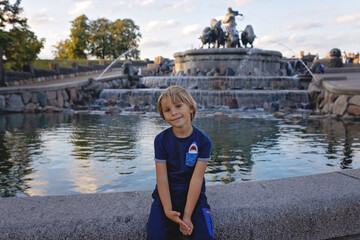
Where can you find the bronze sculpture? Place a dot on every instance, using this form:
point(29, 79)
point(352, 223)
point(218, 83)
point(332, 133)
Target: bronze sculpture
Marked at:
point(224, 32)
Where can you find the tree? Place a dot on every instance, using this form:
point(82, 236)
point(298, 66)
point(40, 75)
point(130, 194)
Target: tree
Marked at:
point(125, 34)
point(17, 42)
point(100, 42)
point(9, 15)
point(79, 38)
point(100, 38)
point(23, 49)
point(62, 49)
point(75, 47)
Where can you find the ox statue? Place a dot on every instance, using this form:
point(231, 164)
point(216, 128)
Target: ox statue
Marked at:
point(248, 36)
point(232, 39)
point(208, 36)
point(216, 26)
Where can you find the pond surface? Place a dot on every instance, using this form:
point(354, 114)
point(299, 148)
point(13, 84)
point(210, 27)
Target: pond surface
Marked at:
point(62, 154)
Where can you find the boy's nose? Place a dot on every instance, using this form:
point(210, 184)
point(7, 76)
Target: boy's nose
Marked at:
point(173, 111)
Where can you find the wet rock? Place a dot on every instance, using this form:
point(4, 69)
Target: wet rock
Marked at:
point(266, 106)
point(355, 100)
point(136, 108)
point(279, 114)
point(110, 102)
point(2, 101)
point(15, 103)
point(340, 105)
point(49, 108)
point(30, 107)
point(41, 97)
point(115, 84)
point(123, 104)
point(275, 107)
point(26, 97)
point(234, 104)
point(140, 85)
point(354, 110)
point(229, 72)
point(113, 111)
point(64, 95)
point(94, 85)
point(72, 94)
point(34, 98)
point(297, 116)
point(50, 95)
point(202, 74)
point(60, 99)
point(106, 85)
point(53, 102)
point(347, 116)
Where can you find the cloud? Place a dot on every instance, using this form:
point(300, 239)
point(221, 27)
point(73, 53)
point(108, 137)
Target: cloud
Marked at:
point(81, 6)
point(158, 25)
point(153, 43)
point(239, 3)
point(190, 29)
point(177, 6)
point(349, 18)
point(141, 4)
point(301, 26)
point(41, 17)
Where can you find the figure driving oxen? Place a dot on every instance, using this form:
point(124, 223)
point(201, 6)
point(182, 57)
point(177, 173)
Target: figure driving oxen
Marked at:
point(216, 35)
point(232, 35)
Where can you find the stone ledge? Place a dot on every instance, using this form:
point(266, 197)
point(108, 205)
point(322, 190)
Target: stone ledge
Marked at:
point(228, 51)
point(321, 206)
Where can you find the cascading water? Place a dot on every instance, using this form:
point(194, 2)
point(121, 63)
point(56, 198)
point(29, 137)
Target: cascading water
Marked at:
point(213, 99)
point(241, 91)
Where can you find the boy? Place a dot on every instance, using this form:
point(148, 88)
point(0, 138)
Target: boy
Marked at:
point(181, 156)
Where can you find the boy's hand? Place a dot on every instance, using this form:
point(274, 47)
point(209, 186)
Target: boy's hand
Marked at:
point(189, 230)
point(175, 217)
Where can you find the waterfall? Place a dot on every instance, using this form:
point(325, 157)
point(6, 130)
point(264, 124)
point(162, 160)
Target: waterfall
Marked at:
point(214, 98)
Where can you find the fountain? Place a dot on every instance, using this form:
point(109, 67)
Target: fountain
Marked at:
point(233, 77)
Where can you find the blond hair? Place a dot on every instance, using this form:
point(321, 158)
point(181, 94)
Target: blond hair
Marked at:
point(177, 94)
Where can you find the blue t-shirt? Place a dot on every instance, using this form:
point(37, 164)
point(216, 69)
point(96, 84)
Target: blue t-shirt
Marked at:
point(181, 154)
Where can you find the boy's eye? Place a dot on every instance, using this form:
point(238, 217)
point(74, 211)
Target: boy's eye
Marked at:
point(166, 109)
point(178, 105)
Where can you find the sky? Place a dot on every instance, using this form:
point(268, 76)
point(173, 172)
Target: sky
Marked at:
point(169, 26)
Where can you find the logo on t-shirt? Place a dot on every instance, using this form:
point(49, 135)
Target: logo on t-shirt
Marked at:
point(193, 148)
point(191, 155)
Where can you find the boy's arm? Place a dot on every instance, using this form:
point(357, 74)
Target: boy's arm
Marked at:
point(164, 193)
point(194, 192)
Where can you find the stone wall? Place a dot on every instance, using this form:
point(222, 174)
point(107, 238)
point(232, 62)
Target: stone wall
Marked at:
point(327, 101)
point(241, 61)
point(31, 74)
point(58, 97)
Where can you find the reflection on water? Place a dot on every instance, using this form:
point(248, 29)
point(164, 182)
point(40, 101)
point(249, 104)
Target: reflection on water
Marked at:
point(56, 154)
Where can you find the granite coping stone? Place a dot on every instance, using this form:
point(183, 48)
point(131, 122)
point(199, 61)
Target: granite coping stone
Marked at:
point(321, 206)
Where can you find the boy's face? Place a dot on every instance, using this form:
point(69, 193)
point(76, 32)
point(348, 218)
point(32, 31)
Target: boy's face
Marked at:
point(178, 115)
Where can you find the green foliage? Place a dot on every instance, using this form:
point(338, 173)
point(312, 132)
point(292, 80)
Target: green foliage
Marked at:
point(100, 38)
point(100, 43)
point(23, 49)
point(125, 35)
point(79, 37)
point(17, 42)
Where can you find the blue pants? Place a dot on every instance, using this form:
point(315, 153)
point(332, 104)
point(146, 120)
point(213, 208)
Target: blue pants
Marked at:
point(159, 227)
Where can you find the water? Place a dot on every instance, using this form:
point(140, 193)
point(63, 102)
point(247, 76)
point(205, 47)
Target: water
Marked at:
point(62, 154)
point(214, 98)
